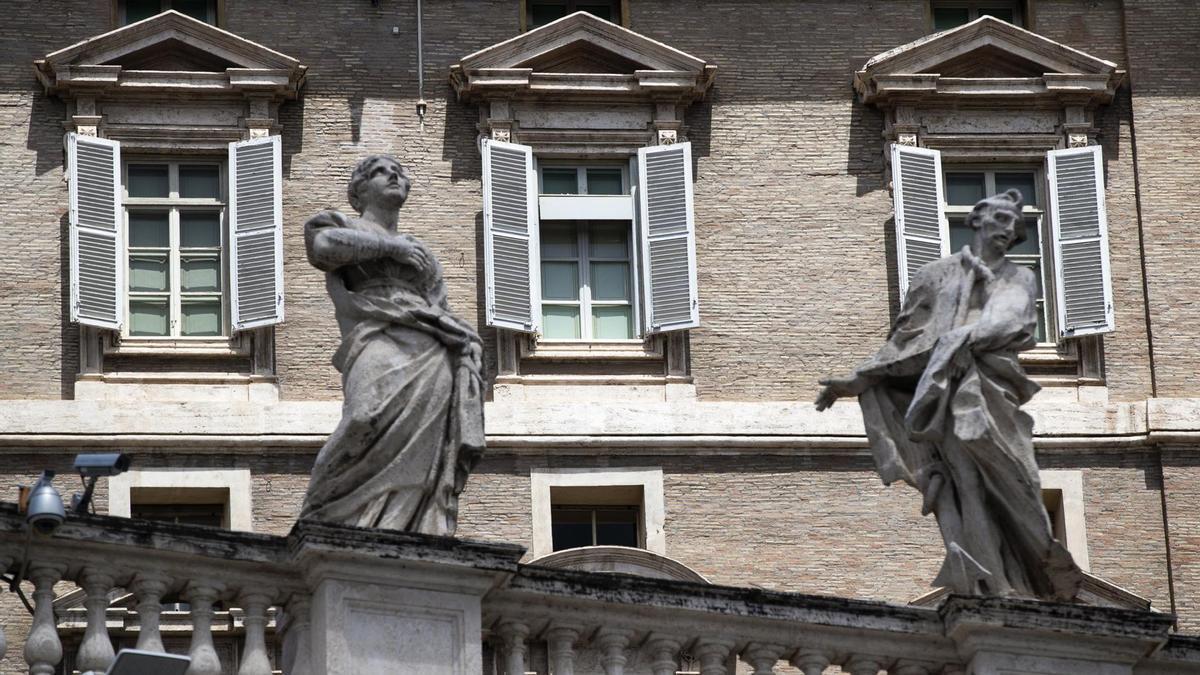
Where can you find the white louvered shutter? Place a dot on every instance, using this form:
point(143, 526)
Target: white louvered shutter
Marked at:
point(1080, 238)
point(97, 247)
point(668, 237)
point(510, 236)
point(256, 232)
point(922, 232)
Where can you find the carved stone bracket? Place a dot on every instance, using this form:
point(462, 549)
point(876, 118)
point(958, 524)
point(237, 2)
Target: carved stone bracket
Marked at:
point(668, 136)
point(907, 139)
point(1077, 140)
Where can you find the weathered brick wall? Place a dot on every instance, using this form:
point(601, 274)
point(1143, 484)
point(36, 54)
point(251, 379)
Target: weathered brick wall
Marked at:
point(1181, 481)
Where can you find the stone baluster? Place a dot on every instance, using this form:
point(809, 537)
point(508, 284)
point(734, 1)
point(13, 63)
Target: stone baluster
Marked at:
point(512, 634)
point(297, 636)
point(713, 655)
point(906, 667)
point(43, 649)
point(763, 657)
point(612, 643)
point(254, 654)
point(149, 589)
point(561, 639)
point(863, 664)
point(811, 661)
point(96, 651)
point(664, 651)
point(201, 596)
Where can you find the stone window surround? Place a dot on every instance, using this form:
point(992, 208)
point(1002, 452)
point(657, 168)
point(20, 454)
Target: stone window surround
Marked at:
point(1069, 485)
point(235, 481)
point(650, 480)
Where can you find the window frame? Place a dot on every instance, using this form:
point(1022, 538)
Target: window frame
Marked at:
point(583, 257)
point(636, 509)
point(174, 205)
point(526, 12)
point(647, 480)
point(955, 212)
point(1021, 13)
point(236, 483)
point(216, 12)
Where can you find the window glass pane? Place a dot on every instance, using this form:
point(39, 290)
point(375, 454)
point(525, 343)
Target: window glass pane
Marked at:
point(1002, 14)
point(560, 181)
point(136, 10)
point(610, 281)
point(603, 11)
point(148, 273)
point(148, 180)
point(149, 229)
point(560, 281)
point(148, 317)
point(201, 317)
point(199, 273)
point(560, 322)
point(542, 13)
point(949, 17)
point(570, 528)
point(199, 229)
point(612, 322)
point(616, 527)
point(964, 189)
point(1023, 182)
point(212, 515)
point(604, 182)
point(200, 181)
point(559, 241)
point(197, 9)
point(960, 235)
point(609, 240)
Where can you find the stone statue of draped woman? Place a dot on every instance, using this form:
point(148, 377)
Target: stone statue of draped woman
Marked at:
point(941, 405)
point(412, 417)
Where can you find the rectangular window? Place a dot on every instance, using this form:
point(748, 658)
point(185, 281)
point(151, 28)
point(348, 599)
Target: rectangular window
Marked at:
point(947, 14)
point(596, 516)
point(132, 11)
point(174, 213)
point(181, 505)
point(541, 12)
point(965, 187)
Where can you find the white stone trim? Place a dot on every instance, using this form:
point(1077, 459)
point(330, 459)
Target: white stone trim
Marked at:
point(1069, 484)
point(650, 480)
point(236, 481)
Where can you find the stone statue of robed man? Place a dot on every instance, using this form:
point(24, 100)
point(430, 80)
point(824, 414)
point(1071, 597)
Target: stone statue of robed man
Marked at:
point(412, 420)
point(940, 401)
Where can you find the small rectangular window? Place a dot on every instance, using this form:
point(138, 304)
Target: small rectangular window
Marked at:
point(541, 12)
point(132, 11)
point(573, 526)
point(947, 14)
point(181, 506)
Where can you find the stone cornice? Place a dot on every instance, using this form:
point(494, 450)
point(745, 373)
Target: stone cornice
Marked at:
point(508, 69)
point(910, 73)
point(87, 67)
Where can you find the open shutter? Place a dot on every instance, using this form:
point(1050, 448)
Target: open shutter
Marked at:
point(256, 232)
point(668, 237)
point(97, 247)
point(922, 233)
point(510, 236)
point(1080, 239)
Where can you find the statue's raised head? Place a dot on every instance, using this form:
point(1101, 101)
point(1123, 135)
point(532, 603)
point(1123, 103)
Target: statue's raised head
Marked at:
point(1010, 201)
point(394, 181)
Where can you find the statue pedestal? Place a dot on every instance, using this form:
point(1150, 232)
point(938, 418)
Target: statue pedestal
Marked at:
point(998, 636)
point(385, 602)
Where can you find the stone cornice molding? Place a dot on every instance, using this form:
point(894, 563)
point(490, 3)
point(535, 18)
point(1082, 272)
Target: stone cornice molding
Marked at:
point(87, 68)
point(509, 69)
point(910, 73)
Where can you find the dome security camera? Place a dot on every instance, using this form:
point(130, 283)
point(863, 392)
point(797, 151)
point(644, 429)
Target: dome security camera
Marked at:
point(46, 510)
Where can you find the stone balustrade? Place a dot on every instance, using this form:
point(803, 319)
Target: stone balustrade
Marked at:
point(364, 602)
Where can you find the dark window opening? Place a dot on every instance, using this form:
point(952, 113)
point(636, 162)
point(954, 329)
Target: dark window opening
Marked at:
point(539, 13)
point(211, 515)
point(949, 14)
point(574, 526)
point(132, 11)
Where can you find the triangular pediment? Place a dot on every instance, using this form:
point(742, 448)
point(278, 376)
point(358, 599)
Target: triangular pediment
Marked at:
point(581, 54)
point(169, 52)
point(985, 51)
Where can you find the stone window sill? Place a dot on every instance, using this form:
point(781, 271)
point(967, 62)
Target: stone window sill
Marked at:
point(598, 350)
point(237, 345)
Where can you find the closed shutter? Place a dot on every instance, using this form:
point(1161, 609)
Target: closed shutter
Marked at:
point(510, 236)
point(1080, 238)
point(97, 247)
point(668, 237)
point(256, 232)
point(922, 233)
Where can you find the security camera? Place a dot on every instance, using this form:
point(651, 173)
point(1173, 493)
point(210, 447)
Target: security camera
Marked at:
point(45, 511)
point(100, 464)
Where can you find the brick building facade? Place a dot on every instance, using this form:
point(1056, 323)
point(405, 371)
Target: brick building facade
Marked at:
point(795, 259)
